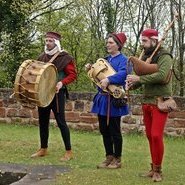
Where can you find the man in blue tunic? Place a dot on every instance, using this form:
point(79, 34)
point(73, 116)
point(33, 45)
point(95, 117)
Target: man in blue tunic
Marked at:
point(110, 128)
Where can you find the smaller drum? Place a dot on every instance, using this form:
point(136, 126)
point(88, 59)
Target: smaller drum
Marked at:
point(35, 83)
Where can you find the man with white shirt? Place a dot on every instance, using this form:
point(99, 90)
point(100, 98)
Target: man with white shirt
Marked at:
point(66, 68)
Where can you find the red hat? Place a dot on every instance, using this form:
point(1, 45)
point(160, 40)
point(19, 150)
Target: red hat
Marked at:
point(54, 35)
point(120, 38)
point(150, 33)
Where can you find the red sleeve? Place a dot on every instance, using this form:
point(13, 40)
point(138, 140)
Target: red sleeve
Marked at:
point(70, 72)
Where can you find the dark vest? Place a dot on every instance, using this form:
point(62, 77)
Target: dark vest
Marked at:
point(60, 62)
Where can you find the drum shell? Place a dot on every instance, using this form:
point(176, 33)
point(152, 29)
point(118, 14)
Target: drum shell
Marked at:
point(35, 83)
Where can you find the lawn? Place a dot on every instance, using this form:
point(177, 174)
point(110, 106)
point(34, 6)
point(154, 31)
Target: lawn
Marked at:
point(18, 142)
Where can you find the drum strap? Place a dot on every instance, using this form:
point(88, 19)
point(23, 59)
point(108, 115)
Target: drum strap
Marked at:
point(54, 56)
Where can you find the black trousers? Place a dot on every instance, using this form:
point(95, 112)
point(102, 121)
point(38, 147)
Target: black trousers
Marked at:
point(44, 116)
point(111, 133)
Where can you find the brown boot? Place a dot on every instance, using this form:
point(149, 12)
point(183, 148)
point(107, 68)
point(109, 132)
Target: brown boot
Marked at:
point(67, 156)
point(116, 163)
point(105, 163)
point(149, 173)
point(40, 153)
point(157, 176)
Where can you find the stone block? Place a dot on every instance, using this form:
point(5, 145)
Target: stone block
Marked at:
point(35, 113)
point(24, 113)
point(69, 106)
point(12, 112)
point(79, 105)
point(127, 128)
point(181, 132)
point(177, 114)
point(34, 121)
point(16, 120)
point(137, 110)
point(128, 119)
point(88, 119)
point(2, 112)
point(88, 106)
point(84, 126)
point(5, 120)
point(72, 116)
point(179, 123)
point(169, 123)
point(1, 103)
point(125, 119)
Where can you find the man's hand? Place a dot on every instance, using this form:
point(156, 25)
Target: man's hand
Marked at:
point(88, 66)
point(104, 83)
point(131, 79)
point(59, 86)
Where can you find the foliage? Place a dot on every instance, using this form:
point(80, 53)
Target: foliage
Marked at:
point(84, 25)
point(14, 35)
point(3, 79)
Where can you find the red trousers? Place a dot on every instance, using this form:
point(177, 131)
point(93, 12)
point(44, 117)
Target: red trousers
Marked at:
point(154, 121)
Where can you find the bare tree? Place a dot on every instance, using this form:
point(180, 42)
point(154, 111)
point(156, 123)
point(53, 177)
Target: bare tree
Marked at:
point(135, 21)
point(47, 6)
point(179, 43)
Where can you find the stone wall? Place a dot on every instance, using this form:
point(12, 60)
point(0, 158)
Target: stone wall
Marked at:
point(78, 114)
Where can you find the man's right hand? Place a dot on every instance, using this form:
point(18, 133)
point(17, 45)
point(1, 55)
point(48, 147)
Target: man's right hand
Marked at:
point(88, 66)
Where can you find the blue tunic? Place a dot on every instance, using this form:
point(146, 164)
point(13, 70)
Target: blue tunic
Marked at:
point(100, 101)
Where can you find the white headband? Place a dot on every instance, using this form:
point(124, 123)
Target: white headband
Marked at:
point(57, 42)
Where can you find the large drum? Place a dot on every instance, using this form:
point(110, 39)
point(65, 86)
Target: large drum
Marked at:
point(35, 83)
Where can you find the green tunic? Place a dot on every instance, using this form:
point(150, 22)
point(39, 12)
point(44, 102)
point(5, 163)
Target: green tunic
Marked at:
point(154, 85)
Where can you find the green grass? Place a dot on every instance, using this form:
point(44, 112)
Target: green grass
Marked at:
point(18, 142)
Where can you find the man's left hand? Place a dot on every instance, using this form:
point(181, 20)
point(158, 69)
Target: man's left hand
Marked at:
point(58, 86)
point(131, 79)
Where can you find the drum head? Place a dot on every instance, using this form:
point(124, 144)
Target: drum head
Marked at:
point(47, 85)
